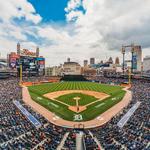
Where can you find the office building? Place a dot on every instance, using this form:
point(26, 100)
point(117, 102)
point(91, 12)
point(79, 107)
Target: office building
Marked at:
point(92, 61)
point(71, 68)
point(85, 63)
point(146, 63)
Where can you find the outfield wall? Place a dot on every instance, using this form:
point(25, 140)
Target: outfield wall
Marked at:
point(40, 82)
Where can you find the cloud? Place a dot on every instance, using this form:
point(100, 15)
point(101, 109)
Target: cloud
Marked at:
point(73, 5)
point(17, 9)
point(73, 10)
point(109, 24)
point(95, 28)
point(12, 31)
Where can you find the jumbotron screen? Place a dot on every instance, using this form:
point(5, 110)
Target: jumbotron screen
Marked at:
point(28, 64)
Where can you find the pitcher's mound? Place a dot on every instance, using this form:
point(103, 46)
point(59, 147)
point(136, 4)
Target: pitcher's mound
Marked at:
point(77, 110)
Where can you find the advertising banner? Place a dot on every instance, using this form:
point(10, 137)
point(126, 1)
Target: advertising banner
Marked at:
point(13, 60)
point(134, 58)
point(26, 52)
point(28, 63)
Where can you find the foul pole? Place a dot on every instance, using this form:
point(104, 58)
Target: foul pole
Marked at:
point(20, 74)
point(129, 70)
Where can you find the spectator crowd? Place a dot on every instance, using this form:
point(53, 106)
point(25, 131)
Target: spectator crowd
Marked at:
point(17, 132)
point(135, 134)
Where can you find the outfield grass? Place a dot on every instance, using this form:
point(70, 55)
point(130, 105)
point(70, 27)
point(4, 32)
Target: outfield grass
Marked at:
point(91, 86)
point(37, 92)
point(69, 99)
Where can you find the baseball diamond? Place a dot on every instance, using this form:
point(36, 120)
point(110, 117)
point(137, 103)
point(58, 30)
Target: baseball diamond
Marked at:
point(69, 99)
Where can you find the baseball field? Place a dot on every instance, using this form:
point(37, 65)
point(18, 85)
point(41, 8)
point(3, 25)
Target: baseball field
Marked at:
point(76, 101)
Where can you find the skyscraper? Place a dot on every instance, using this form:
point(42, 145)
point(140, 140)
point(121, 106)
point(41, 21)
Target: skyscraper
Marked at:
point(137, 58)
point(146, 63)
point(68, 59)
point(85, 63)
point(92, 61)
point(110, 60)
point(117, 61)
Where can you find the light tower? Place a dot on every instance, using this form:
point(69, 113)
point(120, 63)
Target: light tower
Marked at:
point(132, 52)
point(123, 52)
point(129, 75)
point(85, 63)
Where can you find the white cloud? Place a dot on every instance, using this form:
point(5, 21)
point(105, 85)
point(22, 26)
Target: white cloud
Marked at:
point(16, 9)
point(72, 9)
point(73, 5)
point(98, 32)
point(109, 24)
point(53, 34)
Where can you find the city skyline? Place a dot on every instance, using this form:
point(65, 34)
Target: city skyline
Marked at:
point(78, 29)
point(74, 74)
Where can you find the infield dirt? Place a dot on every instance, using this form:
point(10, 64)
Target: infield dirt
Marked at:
point(98, 95)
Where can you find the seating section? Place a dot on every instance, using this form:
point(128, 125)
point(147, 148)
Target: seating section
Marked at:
point(135, 134)
point(70, 143)
point(17, 132)
point(90, 143)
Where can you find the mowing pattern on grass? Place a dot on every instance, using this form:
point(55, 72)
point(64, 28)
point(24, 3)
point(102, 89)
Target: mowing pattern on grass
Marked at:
point(116, 94)
point(69, 99)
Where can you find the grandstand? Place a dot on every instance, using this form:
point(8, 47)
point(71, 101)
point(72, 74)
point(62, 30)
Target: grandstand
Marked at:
point(4, 71)
point(19, 132)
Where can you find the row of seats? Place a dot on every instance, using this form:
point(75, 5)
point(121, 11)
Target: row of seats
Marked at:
point(17, 132)
point(135, 134)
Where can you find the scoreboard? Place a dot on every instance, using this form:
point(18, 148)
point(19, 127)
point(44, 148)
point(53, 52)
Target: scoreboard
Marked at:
point(31, 66)
point(41, 65)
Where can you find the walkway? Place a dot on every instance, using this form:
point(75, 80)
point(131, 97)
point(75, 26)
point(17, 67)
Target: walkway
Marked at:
point(127, 116)
point(96, 140)
point(79, 141)
point(60, 146)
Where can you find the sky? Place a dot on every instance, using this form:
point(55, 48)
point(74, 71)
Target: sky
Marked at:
point(78, 29)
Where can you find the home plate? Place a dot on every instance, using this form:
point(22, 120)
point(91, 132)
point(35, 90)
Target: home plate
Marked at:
point(100, 118)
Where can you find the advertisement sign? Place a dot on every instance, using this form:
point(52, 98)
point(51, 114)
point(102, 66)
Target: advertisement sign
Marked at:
point(40, 59)
point(31, 65)
point(26, 52)
point(28, 63)
point(134, 58)
point(13, 60)
point(41, 63)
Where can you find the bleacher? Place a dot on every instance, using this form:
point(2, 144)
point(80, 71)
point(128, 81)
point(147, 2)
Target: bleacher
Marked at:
point(17, 132)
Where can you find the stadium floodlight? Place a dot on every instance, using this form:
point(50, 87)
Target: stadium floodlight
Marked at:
point(132, 52)
point(123, 52)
